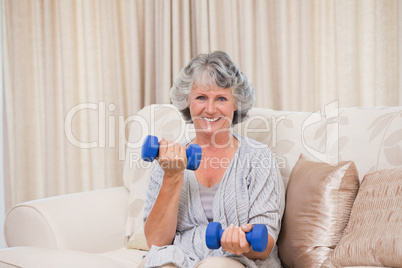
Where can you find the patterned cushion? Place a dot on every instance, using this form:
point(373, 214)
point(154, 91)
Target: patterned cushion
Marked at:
point(374, 232)
point(370, 137)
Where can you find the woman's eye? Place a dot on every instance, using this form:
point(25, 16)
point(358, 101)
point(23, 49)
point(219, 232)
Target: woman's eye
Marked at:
point(200, 98)
point(222, 99)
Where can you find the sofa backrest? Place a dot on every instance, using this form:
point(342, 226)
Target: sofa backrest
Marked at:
point(371, 137)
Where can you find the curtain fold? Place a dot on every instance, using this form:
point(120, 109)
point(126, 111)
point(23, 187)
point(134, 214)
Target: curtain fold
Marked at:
point(74, 71)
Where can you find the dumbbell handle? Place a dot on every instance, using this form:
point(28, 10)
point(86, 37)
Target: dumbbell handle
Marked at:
point(248, 236)
point(150, 150)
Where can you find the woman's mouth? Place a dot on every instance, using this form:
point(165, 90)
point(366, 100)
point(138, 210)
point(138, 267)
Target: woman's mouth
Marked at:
point(211, 120)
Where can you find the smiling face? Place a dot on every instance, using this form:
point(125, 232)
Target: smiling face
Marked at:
point(212, 109)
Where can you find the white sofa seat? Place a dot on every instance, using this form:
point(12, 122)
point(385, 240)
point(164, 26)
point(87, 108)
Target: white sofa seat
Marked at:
point(37, 257)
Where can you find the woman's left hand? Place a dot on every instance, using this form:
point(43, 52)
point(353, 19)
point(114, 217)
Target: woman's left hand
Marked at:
point(234, 239)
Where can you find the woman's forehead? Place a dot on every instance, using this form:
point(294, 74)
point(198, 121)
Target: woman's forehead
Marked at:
point(213, 89)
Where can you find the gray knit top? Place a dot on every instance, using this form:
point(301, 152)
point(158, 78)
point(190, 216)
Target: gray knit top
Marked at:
point(251, 191)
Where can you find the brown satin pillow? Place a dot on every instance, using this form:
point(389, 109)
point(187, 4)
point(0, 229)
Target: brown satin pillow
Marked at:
point(319, 198)
point(373, 235)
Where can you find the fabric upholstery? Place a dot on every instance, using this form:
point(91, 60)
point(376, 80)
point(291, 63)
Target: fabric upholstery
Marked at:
point(368, 136)
point(374, 232)
point(319, 199)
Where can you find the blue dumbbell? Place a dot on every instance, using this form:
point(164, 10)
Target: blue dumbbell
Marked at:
point(257, 237)
point(150, 150)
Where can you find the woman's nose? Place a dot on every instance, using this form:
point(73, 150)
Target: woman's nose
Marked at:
point(210, 107)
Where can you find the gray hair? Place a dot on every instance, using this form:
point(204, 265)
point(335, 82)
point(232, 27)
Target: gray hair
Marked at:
point(209, 71)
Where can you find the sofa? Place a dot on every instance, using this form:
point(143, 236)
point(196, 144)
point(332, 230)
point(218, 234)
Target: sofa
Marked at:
point(103, 228)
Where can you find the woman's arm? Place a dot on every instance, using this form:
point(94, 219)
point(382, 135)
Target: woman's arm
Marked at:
point(261, 255)
point(161, 223)
point(160, 226)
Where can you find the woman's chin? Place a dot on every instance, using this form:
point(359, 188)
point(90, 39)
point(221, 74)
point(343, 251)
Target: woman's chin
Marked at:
point(205, 131)
point(212, 129)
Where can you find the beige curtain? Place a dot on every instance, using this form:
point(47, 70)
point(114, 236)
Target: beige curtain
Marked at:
point(75, 70)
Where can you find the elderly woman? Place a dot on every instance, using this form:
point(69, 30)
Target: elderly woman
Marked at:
point(237, 183)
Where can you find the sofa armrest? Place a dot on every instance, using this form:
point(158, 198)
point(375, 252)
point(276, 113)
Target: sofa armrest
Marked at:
point(92, 221)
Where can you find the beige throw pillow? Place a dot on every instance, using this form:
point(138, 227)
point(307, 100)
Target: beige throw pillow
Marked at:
point(319, 198)
point(373, 235)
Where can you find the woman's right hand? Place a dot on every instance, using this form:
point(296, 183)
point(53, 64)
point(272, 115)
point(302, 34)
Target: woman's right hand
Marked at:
point(172, 158)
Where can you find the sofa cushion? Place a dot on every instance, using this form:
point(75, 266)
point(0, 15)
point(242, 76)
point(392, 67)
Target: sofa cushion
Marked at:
point(319, 199)
point(131, 257)
point(373, 235)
